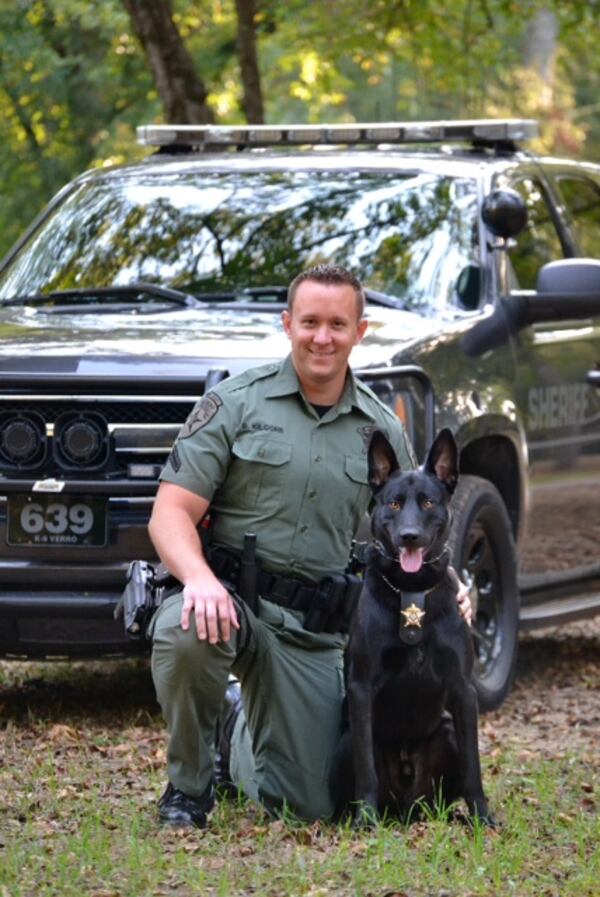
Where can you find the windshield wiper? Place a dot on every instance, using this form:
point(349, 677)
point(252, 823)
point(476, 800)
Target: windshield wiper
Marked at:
point(102, 298)
point(91, 297)
point(276, 294)
point(376, 298)
point(95, 298)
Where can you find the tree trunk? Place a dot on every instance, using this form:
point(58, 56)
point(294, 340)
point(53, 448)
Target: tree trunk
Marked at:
point(180, 88)
point(252, 102)
point(540, 45)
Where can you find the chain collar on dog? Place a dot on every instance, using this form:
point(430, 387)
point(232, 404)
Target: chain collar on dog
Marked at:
point(445, 550)
point(380, 549)
point(399, 591)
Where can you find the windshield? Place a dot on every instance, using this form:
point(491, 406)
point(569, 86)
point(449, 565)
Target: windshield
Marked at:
point(409, 236)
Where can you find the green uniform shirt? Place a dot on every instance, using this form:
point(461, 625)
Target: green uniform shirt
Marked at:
point(257, 450)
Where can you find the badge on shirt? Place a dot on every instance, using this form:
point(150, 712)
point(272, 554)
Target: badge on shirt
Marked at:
point(201, 415)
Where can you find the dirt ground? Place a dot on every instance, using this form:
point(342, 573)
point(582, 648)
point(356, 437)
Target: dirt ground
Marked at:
point(550, 548)
point(82, 749)
point(554, 707)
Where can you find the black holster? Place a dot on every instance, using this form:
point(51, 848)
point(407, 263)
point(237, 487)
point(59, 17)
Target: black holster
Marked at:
point(146, 589)
point(333, 603)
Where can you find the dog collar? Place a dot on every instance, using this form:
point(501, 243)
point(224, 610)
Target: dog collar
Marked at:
point(365, 552)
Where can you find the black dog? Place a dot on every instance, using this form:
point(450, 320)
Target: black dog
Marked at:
point(412, 706)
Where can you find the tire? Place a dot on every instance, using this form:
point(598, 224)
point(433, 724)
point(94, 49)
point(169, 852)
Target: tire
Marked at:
point(484, 555)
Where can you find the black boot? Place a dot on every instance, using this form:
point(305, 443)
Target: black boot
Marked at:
point(232, 705)
point(179, 809)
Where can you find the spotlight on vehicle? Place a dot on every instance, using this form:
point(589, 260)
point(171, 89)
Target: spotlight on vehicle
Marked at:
point(81, 441)
point(23, 440)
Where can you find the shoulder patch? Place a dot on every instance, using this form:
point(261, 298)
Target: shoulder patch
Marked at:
point(202, 414)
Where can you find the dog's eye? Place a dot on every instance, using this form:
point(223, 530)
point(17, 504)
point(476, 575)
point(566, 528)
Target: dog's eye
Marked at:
point(395, 505)
point(427, 504)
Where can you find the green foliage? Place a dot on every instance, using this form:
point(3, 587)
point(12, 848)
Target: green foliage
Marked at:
point(70, 83)
point(418, 60)
point(74, 81)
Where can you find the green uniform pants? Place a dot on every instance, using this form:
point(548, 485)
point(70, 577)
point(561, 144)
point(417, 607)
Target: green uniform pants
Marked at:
point(292, 689)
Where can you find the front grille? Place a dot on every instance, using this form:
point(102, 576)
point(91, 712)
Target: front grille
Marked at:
point(127, 431)
point(114, 411)
point(92, 427)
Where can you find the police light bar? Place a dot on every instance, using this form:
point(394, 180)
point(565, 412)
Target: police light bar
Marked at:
point(488, 131)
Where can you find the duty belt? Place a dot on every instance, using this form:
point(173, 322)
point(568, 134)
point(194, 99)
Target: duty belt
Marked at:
point(328, 606)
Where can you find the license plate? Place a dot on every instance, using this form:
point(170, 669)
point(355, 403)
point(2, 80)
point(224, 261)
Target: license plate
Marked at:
point(51, 521)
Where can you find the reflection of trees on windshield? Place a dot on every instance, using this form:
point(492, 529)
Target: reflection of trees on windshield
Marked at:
point(406, 236)
point(431, 238)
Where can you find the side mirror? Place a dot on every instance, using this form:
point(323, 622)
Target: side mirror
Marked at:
point(569, 276)
point(566, 289)
point(504, 213)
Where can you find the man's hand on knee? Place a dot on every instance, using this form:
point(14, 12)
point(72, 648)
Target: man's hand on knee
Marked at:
point(212, 606)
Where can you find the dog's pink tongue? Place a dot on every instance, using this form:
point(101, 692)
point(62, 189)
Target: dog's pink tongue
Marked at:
point(411, 559)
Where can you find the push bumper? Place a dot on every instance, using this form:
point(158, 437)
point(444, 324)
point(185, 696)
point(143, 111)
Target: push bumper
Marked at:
point(54, 624)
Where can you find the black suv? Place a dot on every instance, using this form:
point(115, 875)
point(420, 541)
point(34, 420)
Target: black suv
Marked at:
point(140, 286)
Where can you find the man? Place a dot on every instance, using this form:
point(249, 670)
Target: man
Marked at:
point(278, 451)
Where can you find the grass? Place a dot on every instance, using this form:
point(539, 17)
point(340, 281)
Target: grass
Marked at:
point(82, 752)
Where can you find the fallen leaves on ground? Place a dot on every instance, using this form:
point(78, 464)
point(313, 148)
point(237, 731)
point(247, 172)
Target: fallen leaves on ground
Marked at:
point(90, 735)
point(554, 706)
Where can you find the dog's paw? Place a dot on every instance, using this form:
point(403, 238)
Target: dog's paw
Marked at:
point(365, 817)
point(481, 819)
point(491, 823)
point(485, 821)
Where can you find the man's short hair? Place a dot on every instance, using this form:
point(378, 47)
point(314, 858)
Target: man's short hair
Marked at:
point(328, 274)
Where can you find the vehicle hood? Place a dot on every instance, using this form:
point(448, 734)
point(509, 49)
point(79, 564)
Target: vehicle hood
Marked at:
point(38, 340)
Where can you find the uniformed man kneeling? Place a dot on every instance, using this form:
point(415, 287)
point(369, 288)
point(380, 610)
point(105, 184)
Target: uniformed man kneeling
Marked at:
point(278, 452)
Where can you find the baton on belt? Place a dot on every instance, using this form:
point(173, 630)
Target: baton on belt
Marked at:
point(248, 579)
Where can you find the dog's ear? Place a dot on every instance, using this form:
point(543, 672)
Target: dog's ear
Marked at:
point(442, 459)
point(382, 460)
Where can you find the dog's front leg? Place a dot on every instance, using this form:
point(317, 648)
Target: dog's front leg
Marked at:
point(360, 707)
point(465, 715)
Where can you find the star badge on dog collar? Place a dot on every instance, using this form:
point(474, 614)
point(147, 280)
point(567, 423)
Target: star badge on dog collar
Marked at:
point(413, 615)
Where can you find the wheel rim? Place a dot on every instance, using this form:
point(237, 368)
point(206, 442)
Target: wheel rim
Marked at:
point(481, 572)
